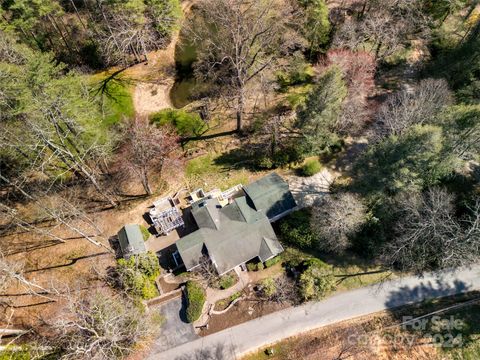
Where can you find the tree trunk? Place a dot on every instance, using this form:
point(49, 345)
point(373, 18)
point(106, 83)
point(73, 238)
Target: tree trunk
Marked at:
point(146, 183)
point(240, 109)
point(377, 51)
point(78, 15)
point(59, 31)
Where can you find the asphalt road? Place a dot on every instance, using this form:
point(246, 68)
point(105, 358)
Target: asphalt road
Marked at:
point(236, 341)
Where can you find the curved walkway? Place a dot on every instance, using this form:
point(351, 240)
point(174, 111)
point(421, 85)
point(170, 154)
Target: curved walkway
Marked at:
point(236, 341)
point(214, 295)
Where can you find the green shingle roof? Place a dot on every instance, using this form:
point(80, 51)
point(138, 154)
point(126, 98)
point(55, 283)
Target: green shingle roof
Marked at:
point(131, 240)
point(270, 195)
point(241, 234)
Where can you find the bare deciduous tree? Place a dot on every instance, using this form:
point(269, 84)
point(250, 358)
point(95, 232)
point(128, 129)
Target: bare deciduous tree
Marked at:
point(126, 30)
point(12, 273)
point(428, 235)
point(100, 327)
point(237, 41)
point(413, 106)
point(358, 69)
point(148, 148)
point(383, 26)
point(335, 218)
point(55, 209)
point(280, 290)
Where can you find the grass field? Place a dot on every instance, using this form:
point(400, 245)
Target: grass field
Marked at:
point(205, 173)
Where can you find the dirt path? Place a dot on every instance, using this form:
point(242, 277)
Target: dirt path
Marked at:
point(155, 79)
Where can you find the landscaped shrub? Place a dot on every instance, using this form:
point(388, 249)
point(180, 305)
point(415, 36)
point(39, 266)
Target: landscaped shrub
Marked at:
point(145, 233)
point(137, 275)
point(290, 154)
point(284, 156)
point(295, 230)
point(226, 281)
point(195, 300)
point(317, 280)
point(235, 296)
point(186, 124)
point(264, 162)
point(268, 287)
point(252, 266)
point(273, 261)
point(311, 167)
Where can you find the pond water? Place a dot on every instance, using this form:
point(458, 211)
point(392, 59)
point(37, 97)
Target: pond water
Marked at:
point(185, 83)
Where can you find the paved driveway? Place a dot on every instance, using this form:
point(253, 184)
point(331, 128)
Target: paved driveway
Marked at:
point(175, 331)
point(234, 342)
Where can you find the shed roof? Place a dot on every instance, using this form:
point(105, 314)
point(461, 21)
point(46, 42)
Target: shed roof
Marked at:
point(271, 195)
point(131, 240)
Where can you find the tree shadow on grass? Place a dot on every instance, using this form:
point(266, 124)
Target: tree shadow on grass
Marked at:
point(236, 159)
point(183, 310)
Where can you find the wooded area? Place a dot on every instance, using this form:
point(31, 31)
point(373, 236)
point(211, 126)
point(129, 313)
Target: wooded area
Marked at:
point(290, 85)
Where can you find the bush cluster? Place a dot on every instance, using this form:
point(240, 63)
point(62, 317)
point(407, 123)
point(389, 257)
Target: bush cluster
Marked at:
point(295, 230)
point(195, 300)
point(226, 281)
point(145, 233)
point(255, 266)
point(273, 261)
point(311, 167)
point(186, 124)
point(287, 155)
point(137, 275)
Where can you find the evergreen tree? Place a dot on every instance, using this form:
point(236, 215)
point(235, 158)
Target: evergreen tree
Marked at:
point(318, 118)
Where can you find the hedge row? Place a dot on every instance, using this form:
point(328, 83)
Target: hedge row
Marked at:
point(195, 300)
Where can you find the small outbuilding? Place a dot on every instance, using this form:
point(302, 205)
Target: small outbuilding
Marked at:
point(131, 240)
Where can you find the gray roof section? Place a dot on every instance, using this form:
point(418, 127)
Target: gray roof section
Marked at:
point(191, 246)
point(131, 240)
point(241, 236)
point(269, 248)
point(270, 195)
point(205, 213)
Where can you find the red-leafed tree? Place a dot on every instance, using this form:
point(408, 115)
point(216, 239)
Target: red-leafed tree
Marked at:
point(148, 148)
point(358, 68)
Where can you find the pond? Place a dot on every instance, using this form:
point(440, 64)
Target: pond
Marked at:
point(185, 85)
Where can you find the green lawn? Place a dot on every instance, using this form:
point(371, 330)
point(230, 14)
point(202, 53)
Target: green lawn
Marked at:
point(205, 173)
point(116, 98)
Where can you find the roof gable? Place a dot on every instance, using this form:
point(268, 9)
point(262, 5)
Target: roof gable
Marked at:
point(271, 195)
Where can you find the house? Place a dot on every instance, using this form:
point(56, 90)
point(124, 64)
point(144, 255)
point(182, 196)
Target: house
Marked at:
point(240, 231)
point(131, 241)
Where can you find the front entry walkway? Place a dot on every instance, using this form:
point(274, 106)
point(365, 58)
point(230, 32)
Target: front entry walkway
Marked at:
point(214, 295)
